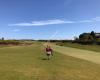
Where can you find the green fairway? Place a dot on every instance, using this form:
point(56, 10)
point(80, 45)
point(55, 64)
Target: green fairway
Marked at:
point(78, 53)
point(30, 63)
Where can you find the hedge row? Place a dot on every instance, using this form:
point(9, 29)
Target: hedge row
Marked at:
point(8, 42)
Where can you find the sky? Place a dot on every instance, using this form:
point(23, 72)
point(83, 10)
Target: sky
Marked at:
point(48, 19)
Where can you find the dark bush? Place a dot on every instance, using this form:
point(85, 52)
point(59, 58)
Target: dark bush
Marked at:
point(9, 42)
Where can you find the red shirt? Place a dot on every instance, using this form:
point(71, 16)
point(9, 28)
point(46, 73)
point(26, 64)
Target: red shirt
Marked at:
point(48, 50)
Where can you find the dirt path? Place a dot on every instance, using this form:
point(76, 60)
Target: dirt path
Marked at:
point(78, 53)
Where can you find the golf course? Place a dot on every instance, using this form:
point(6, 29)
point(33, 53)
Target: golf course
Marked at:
point(29, 62)
point(49, 39)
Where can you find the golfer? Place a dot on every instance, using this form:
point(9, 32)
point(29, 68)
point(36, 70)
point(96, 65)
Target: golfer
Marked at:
point(49, 52)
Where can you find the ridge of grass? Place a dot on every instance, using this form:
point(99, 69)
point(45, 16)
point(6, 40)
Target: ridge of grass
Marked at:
point(95, 48)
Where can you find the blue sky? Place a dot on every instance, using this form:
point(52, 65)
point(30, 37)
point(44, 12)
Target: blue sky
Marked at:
point(42, 19)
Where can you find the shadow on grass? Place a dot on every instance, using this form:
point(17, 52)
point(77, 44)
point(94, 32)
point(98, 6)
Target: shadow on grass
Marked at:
point(44, 59)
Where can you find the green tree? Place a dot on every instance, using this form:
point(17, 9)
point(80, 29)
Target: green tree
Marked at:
point(92, 34)
point(86, 38)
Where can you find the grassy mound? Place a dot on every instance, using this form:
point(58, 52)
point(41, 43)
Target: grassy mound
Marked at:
point(80, 46)
point(8, 42)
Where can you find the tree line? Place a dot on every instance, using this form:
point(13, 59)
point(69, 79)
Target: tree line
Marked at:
point(88, 38)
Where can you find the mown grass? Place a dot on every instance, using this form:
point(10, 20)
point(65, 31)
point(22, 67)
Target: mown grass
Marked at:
point(80, 46)
point(29, 63)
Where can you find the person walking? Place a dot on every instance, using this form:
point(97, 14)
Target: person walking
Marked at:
point(49, 52)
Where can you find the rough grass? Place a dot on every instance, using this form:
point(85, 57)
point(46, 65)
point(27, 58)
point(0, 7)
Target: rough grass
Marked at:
point(29, 63)
point(80, 46)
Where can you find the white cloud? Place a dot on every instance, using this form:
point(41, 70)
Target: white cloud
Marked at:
point(21, 24)
point(85, 21)
point(54, 21)
point(16, 30)
point(96, 19)
point(49, 22)
point(92, 20)
point(42, 23)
